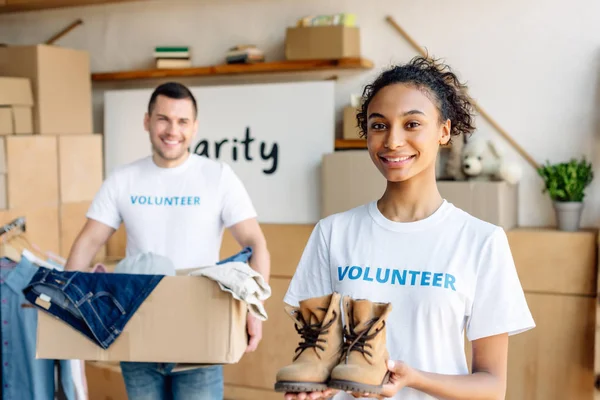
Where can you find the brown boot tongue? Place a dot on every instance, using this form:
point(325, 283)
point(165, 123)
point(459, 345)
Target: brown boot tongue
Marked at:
point(363, 314)
point(313, 310)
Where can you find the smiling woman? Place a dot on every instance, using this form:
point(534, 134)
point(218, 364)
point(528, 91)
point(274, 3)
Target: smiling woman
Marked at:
point(441, 271)
point(408, 112)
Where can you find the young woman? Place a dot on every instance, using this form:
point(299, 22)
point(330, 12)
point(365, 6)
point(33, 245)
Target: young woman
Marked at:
point(407, 113)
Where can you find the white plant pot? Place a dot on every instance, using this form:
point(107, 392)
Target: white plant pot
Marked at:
point(568, 215)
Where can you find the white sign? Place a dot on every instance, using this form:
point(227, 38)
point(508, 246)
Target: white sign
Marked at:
point(272, 135)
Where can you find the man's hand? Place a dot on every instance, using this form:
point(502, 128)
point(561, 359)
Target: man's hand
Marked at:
point(254, 328)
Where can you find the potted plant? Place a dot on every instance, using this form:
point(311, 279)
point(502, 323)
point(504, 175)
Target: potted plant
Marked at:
point(565, 183)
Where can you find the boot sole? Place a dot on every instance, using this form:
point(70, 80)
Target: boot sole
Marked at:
point(299, 387)
point(357, 387)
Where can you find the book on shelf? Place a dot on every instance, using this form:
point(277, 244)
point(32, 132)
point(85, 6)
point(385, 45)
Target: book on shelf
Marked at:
point(166, 63)
point(244, 54)
point(169, 57)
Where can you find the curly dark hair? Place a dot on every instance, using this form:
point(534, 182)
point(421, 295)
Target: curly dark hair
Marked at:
point(449, 94)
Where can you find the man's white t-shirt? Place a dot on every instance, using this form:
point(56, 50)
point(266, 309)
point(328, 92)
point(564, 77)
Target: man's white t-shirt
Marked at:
point(179, 213)
point(444, 274)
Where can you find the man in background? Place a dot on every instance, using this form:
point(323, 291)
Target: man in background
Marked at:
point(175, 204)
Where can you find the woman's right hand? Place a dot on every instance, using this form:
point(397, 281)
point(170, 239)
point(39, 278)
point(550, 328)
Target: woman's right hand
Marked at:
point(326, 394)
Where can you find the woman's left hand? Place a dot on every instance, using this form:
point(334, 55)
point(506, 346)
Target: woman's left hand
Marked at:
point(401, 376)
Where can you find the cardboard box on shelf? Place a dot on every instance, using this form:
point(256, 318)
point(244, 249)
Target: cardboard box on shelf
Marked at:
point(61, 83)
point(322, 42)
point(80, 163)
point(494, 202)
point(186, 319)
point(350, 130)
point(32, 171)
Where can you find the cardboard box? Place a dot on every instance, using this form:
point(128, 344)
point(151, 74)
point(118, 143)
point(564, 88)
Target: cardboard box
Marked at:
point(2, 156)
point(41, 225)
point(322, 42)
point(3, 201)
point(80, 164)
point(494, 202)
point(186, 319)
point(31, 165)
point(348, 179)
point(557, 262)
point(61, 84)
point(15, 91)
point(351, 130)
point(16, 120)
point(105, 381)
point(116, 247)
point(6, 121)
point(71, 220)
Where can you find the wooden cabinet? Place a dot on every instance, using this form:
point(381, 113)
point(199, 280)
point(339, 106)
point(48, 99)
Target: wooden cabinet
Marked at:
point(558, 272)
point(556, 359)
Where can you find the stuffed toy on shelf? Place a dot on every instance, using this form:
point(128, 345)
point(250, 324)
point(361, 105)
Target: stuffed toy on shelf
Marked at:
point(481, 160)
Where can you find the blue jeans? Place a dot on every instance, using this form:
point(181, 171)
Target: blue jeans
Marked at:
point(156, 381)
point(97, 305)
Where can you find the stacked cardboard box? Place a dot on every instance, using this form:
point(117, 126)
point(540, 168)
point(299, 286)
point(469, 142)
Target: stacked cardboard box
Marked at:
point(16, 101)
point(53, 169)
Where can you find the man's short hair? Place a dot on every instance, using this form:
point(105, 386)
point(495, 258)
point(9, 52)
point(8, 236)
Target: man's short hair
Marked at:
point(173, 90)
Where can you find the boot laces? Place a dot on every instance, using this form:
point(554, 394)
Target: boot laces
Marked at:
point(359, 341)
point(310, 334)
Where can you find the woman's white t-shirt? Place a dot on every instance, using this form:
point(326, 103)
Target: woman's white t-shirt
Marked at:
point(445, 274)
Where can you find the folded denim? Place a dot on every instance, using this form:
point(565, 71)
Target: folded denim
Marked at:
point(243, 256)
point(97, 305)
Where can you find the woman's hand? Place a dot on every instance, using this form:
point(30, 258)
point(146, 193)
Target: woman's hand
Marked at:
point(401, 375)
point(326, 394)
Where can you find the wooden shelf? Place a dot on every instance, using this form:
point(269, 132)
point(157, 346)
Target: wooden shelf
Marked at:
point(10, 6)
point(239, 69)
point(350, 144)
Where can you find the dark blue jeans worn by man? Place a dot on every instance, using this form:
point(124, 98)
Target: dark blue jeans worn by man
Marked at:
point(152, 381)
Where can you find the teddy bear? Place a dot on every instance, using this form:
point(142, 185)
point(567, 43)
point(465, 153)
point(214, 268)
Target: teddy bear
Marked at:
point(481, 160)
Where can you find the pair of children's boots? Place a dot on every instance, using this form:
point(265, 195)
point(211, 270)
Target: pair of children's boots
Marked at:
point(352, 357)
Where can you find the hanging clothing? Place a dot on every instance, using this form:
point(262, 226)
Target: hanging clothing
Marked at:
point(23, 376)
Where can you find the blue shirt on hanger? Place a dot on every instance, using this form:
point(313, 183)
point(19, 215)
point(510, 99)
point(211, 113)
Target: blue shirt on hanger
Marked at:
point(23, 376)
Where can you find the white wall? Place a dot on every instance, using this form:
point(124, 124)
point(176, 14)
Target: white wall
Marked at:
point(532, 64)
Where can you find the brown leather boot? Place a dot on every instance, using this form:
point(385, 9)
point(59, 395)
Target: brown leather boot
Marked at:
point(363, 366)
point(319, 323)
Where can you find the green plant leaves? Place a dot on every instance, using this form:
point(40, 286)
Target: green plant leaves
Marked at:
point(566, 181)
